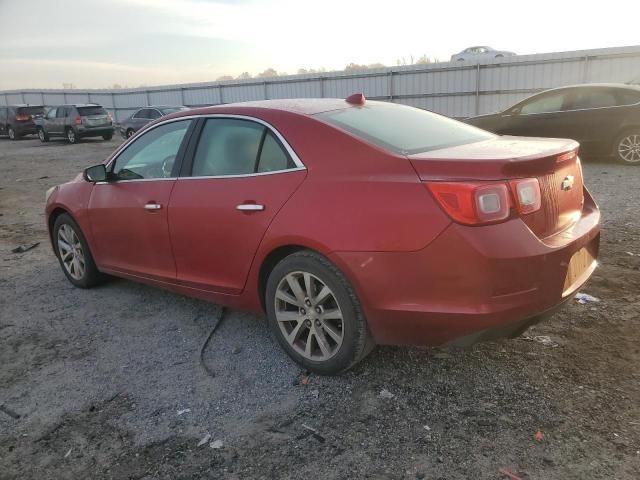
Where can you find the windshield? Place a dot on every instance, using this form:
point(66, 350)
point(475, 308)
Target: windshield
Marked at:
point(403, 129)
point(168, 110)
point(87, 111)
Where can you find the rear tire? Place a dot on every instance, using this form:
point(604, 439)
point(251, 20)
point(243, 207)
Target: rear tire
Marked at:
point(130, 133)
point(73, 253)
point(626, 147)
point(107, 137)
point(12, 134)
point(42, 135)
point(71, 136)
point(319, 323)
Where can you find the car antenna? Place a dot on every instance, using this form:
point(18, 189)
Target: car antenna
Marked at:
point(356, 99)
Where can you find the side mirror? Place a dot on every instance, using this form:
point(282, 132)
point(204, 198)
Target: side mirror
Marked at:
point(97, 173)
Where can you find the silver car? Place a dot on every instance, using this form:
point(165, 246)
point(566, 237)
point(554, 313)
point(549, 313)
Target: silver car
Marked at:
point(480, 53)
point(145, 115)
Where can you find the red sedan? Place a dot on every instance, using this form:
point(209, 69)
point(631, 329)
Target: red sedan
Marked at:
point(349, 223)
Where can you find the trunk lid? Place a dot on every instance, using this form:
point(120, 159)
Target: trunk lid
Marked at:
point(552, 161)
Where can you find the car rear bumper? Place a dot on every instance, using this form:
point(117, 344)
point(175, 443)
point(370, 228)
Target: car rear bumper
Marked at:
point(24, 128)
point(95, 131)
point(472, 282)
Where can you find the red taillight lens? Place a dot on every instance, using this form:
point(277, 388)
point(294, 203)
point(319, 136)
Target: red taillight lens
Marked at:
point(527, 195)
point(473, 203)
point(23, 118)
point(78, 120)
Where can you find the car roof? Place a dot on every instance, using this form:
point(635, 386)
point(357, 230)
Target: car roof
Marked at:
point(622, 86)
point(20, 105)
point(303, 106)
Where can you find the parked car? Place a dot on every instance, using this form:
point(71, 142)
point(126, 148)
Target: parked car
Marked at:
point(145, 115)
point(349, 223)
point(74, 122)
point(604, 118)
point(17, 120)
point(480, 53)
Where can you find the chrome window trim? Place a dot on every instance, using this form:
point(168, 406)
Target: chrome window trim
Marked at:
point(296, 160)
point(257, 174)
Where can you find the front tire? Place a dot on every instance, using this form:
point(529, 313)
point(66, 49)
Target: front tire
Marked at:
point(130, 133)
point(71, 136)
point(627, 147)
point(42, 135)
point(73, 253)
point(315, 315)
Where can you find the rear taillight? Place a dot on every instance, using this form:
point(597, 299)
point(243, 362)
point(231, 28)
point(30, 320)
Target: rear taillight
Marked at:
point(483, 203)
point(23, 118)
point(78, 120)
point(527, 195)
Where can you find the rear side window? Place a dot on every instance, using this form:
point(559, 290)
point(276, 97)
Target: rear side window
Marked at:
point(594, 98)
point(89, 111)
point(61, 112)
point(403, 129)
point(627, 97)
point(231, 146)
point(547, 103)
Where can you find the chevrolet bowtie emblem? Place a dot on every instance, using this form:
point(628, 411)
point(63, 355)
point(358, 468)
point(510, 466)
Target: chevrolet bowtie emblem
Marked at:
point(567, 183)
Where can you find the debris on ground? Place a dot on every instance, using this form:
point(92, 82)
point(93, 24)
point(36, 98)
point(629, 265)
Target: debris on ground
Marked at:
point(204, 440)
point(442, 355)
point(216, 444)
point(8, 411)
point(314, 433)
point(386, 394)
point(236, 350)
point(427, 428)
point(305, 380)
point(631, 254)
point(583, 298)
point(538, 436)
point(25, 248)
point(68, 453)
point(182, 412)
point(545, 340)
point(315, 393)
point(508, 473)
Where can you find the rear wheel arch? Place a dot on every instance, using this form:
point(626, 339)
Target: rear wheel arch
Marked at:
point(268, 264)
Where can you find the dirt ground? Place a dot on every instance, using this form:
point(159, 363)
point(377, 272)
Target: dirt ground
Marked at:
point(106, 383)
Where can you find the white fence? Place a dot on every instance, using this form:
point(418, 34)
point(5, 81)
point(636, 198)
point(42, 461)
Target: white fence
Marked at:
point(456, 89)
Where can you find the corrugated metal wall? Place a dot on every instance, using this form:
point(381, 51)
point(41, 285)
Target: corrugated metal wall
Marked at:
point(456, 89)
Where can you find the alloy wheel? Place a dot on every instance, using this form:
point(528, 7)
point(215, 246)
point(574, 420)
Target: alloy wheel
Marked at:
point(629, 148)
point(309, 316)
point(71, 135)
point(41, 134)
point(71, 252)
point(12, 133)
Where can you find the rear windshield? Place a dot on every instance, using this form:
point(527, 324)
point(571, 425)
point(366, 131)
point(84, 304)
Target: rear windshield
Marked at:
point(88, 111)
point(403, 129)
point(168, 110)
point(30, 110)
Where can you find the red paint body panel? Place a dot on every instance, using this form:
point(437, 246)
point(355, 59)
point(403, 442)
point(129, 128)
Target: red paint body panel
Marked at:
point(420, 277)
point(128, 238)
point(213, 242)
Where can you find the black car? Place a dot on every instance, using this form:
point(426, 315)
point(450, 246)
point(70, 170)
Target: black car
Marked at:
point(604, 118)
point(145, 115)
point(17, 120)
point(74, 122)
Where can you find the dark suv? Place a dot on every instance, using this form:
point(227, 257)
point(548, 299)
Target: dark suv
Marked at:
point(74, 122)
point(17, 120)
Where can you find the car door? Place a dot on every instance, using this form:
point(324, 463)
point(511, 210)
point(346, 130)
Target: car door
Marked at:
point(240, 174)
point(48, 122)
point(141, 118)
point(3, 120)
point(538, 116)
point(594, 118)
point(128, 214)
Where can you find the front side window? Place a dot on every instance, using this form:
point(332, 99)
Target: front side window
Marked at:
point(52, 113)
point(141, 113)
point(153, 114)
point(60, 112)
point(153, 154)
point(402, 129)
point(227, 146)
point(548, 103)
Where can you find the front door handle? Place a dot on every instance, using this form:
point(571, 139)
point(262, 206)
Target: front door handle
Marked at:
point(152, 206)
point(250, 207)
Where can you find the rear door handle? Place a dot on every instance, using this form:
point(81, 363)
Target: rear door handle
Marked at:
point(152, 206)
point(250, 207)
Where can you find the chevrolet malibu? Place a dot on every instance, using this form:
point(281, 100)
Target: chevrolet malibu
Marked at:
point(349, 222)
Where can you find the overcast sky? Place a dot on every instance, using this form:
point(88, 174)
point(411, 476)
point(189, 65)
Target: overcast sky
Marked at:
point(98, 43)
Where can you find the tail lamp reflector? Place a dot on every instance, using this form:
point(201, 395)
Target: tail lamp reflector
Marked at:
point(22, 118)
point(488, 202)
point(78, 120)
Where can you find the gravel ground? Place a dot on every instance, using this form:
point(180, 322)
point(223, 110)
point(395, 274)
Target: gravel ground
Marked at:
point(102, 379)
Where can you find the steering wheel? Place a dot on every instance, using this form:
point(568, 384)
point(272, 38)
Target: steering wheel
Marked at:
point(167, 165)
